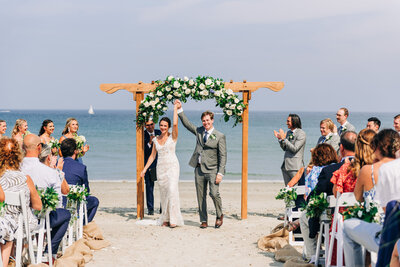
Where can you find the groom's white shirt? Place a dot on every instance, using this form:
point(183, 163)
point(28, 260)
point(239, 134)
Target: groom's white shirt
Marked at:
point(208, 136)
point(151, 134)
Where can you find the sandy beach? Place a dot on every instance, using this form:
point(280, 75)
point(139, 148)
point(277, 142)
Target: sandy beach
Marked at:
point(234, 244)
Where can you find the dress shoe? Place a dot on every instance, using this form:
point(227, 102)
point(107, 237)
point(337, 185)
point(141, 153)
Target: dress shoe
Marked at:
point(219, 221)
point(150, 212)
point(203, 225)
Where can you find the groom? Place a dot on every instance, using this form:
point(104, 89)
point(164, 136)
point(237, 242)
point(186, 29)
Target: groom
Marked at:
point(208, 159)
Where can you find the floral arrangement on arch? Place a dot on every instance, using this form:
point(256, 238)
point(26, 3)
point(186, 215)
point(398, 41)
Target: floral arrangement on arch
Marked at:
point(200, 88)
point(289, 196)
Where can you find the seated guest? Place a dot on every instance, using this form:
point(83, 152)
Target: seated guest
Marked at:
point(396, 123)
point(43, 177)
point(344, 179)
point(395, 261)
point(327, 136)
point(341, 116)
point(11, 179)
point(3, 128)
point(373, 124)
point(385, 145)
point(76, 173)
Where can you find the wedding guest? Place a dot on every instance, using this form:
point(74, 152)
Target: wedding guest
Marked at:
point(12, 179)
point(76, 174)
point(395, 261)
point(293, 143)
point(43, 177)
point(19, 130)
point(324, 185)
point(341, 116)
point(46, 130)
point(71, 131)
point(396, 123)
point(385, 144)
point(149, 134)
point(327, 136)
point(3, 128)
point(373, 124)
point(344, 179)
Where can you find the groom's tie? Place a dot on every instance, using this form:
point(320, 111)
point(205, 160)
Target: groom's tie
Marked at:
point(205, 137)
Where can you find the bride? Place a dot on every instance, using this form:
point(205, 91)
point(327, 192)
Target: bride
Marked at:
point(167, 171)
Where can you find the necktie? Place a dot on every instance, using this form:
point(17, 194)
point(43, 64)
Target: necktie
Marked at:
point(323, 140)
point(205, 136)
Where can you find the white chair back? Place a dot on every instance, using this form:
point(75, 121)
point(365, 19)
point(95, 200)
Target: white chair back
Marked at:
point(295, 239)
point(44, 226)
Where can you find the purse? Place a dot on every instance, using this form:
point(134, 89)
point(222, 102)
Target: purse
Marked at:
point(153, 174)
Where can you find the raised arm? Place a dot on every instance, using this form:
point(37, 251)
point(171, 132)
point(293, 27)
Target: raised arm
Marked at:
point(2, 196)
point(149, 161)
point(185, 121)
point(175, 123)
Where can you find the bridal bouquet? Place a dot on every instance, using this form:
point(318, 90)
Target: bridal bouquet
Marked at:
point(316, 205)
point(80, 143)
point(49, 199)
point(289, 196)
point(54, 143)
point(367, 211)
point(200, 88)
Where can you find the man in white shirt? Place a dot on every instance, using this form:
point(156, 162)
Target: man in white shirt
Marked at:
point(341, 116)
point(43, 177)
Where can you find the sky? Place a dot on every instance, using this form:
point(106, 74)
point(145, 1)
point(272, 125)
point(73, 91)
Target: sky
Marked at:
point(55, 54)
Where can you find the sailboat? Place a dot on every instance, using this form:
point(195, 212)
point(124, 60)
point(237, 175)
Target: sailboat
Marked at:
point(91, 112)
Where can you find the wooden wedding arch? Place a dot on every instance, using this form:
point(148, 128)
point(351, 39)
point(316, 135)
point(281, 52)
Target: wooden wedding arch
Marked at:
point(139, 89)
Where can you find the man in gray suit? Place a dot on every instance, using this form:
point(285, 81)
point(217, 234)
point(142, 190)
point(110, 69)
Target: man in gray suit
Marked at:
point(341, 116)
point(209, 160)
point(293, 143)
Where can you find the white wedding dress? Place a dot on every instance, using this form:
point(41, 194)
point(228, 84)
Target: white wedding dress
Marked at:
point(168, 179)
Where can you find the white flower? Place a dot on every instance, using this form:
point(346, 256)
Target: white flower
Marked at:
point(202, 86)
point(176, 93)
point(229, 91)
point(227, 105)
point(179, 95)
point(185, 79)
point(153, 103)
point(184, 86)
point(377, 218)
point(177, 84)
point(169, 97)
point(229, 112)
point(229, 97)
point(205, 92)
point(187, 91)
point(239, 107)
point(151, 94)
point(141, 101)
point(158, 106)
point(359, 214)
point(146, 104)
point(240, 113)
point(83, 139)
point(208, 81)
point(144, 114)
point(151, 113)
point(159, 93)
point(170, 77)
point(236, 100)
point(218, 83)
point(212, 85)
point(232, 106)
point(191, 82)
point(193, 90)
point(157, 100)
point(217, 93)
point(164, 108)
point(168, 88)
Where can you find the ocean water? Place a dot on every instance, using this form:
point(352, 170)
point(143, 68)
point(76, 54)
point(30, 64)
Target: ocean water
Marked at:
point(111, 136)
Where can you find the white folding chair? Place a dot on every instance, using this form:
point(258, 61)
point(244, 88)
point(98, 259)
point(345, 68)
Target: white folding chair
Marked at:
point(342, 200)
point(295, 239)
point(325, 222)
point(44, 226)
point(18, 199)
point(82, 216)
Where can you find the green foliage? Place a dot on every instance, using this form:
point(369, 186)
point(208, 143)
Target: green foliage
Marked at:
point(49, 199)
point(201, 88)
point(316, 205)
point(77, 193)
point(289, 196)
point(366, 211)
point(2, 206)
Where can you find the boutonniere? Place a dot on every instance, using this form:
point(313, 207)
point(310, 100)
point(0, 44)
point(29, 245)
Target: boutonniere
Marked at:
point(213, 137)
point(328, 138)
point(290, 136)
point(344, 129)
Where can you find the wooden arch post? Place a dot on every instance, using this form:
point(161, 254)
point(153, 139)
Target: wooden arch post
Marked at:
point(139, 89)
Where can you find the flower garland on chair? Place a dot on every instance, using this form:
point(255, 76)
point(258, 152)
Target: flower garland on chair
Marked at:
point(201, 88)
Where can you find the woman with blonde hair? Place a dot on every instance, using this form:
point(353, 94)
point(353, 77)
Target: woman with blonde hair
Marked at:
point(11, 179)
point(71, 131)
point(20, 130)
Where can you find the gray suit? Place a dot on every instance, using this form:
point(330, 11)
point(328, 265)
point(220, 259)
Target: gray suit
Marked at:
point(347, 127)
point(293, 160)
point(334, 141)
point(208, 159)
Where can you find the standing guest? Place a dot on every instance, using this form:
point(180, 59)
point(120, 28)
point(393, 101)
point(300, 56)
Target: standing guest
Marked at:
point(76, 174)
point(71, 131)
point(327, 136)
point(44, 177)
point(45, 133)
point(385, 145)
point(3, 128)
point(293, 143)
point(341, 116)
point(373, 124)
point(11, 179)
point(149, 134)
point(396, 123)
point(19, 130)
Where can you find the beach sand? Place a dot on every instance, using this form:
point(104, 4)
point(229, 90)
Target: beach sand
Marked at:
point(234, 244)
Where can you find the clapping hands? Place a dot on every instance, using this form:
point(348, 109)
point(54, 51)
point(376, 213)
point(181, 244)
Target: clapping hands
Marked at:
point(280, 135)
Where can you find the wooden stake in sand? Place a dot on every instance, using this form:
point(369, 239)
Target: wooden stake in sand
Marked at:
point(140, 88)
